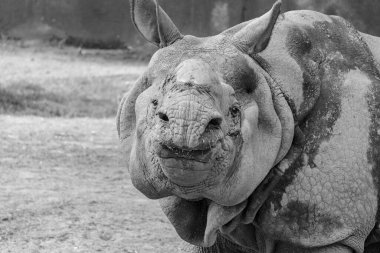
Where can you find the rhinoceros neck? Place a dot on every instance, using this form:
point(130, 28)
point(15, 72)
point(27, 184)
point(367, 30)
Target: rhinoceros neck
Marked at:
point(283, 106)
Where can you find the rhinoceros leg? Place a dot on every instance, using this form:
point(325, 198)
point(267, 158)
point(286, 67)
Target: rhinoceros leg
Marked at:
point(372, 243)
point(373, 248)
point(336, 248)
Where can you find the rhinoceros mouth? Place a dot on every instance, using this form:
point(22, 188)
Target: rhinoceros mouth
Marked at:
point(201, 156)
point(186, 168)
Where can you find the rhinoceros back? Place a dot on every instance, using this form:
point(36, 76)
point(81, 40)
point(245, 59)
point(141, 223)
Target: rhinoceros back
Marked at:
point(332, 80)
point(374, 45)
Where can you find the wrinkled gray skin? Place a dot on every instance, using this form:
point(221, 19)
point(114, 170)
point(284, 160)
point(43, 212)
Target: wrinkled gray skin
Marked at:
point(211, 116)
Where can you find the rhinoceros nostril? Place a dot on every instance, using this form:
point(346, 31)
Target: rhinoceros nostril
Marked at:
point(214, 123)
point(163, 116)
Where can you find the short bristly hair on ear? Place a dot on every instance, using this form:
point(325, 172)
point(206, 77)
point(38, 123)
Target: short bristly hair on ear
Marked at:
point(255, 36)
point(153, 23)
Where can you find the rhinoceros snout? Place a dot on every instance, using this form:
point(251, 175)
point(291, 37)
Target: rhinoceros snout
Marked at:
point(186, 146)
point(214, 122)
point(181, 131)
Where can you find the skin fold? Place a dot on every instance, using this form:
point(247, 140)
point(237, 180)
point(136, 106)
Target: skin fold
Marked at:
point(212, 116)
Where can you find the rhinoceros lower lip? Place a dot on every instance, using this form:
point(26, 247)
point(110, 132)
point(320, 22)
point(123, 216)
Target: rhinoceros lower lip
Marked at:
point(202, 156)
point(185, 172)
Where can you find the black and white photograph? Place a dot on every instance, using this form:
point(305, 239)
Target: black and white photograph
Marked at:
point(189, 126)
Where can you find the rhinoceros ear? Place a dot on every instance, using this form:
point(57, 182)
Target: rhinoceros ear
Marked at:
point(126, 116)
point(153, 23)
point(255, 36)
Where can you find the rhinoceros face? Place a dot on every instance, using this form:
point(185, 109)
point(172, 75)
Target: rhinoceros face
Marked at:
point(194, 134)
point(206, 120)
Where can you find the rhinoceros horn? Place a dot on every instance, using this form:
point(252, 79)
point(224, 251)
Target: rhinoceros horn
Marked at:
point(153, 23)
point(255, 37)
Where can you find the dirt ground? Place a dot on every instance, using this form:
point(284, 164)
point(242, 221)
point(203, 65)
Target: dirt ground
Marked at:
point(64, 186)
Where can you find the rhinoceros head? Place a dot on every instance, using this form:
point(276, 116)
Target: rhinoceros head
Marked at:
point(206, 121)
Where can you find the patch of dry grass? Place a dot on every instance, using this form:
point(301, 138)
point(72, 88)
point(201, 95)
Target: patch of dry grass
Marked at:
point(63, 82)
point(95, 97)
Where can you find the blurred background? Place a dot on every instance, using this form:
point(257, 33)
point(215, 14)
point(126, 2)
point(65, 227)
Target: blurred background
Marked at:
point(64, 66)
point(106, 23)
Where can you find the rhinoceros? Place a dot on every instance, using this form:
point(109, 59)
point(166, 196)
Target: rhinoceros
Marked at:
point(263, 138)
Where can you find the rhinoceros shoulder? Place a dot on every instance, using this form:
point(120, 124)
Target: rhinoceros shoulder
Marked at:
point(329, 72)
point(303, 44)
point(373, 43)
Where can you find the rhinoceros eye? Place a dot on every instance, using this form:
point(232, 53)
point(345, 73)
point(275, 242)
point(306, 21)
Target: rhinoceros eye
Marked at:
point(235, 110)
